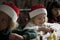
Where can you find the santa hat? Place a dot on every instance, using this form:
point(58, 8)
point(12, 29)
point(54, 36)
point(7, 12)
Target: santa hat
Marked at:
point(11, 10)
point(37, 9)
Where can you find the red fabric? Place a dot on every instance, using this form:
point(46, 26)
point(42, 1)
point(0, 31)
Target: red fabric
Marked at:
point(37, 6)
point(53, 21)
point(17, 10)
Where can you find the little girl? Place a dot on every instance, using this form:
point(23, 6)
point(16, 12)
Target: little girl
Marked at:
point(38, 17)
point(9, 14)
point(8, 21)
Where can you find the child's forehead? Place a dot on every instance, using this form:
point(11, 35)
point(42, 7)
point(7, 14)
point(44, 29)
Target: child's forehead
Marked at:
point(41, 14)
point(3, 14)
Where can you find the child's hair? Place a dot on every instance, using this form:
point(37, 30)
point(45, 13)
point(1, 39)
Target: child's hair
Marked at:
point(13, 25)
point(55, 5)
point(51, 6)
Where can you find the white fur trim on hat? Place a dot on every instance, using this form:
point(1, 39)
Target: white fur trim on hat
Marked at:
point(9, 11)
point(37, 12)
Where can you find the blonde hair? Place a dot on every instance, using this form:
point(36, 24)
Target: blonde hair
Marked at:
point(13, 25)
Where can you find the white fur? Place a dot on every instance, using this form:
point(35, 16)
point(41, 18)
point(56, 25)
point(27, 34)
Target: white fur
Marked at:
point(9, 11)
point(37, 12)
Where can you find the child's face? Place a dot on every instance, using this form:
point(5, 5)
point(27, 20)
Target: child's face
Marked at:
point(4, 20)
point(40, 19)
point(56, 12)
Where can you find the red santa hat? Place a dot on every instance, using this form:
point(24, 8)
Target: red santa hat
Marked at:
point(37, 9)
point(11, 10)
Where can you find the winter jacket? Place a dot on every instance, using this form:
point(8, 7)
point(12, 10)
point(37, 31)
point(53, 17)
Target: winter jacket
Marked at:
point(26, 32)
point(31, 25)
point(4, 34)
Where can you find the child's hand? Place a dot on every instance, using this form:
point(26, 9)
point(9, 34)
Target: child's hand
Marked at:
point(45, 29)
point(48, 30)
point(14, 36)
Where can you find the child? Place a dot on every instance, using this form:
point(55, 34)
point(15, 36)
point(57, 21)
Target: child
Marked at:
point(54, 16)
point(38, 17)
point(8, 21)
point(9, 14)
point(54, 12)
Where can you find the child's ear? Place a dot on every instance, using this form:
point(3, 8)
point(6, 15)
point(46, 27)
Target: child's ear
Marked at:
point(46, 19)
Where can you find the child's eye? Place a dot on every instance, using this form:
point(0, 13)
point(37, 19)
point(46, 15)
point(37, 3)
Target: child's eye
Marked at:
point(39, 18)
point(3, 20)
